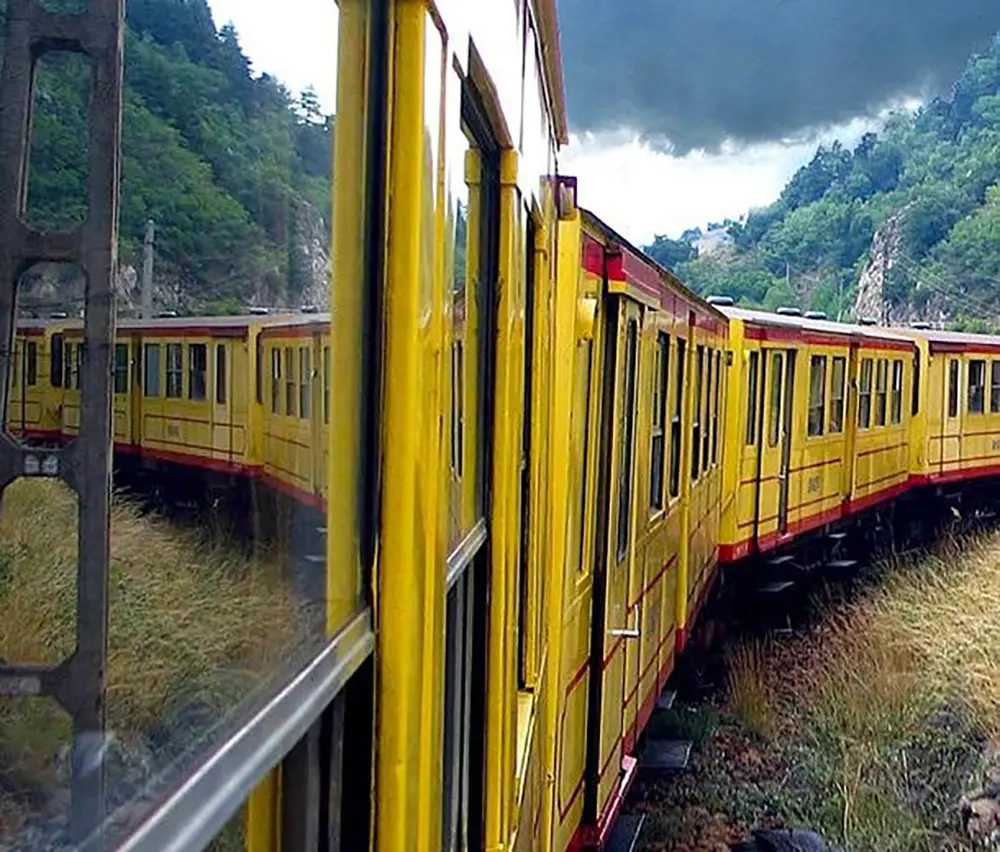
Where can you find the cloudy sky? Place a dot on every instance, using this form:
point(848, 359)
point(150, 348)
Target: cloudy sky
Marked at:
point(689, 111)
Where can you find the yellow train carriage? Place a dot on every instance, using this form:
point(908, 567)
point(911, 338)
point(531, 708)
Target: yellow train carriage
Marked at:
point(959, 425)
point(33, 411)
point(642, 513)
point(823, 416)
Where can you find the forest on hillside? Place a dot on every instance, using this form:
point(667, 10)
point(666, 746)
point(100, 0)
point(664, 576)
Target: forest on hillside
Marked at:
point(234, 170)
point(935, 172)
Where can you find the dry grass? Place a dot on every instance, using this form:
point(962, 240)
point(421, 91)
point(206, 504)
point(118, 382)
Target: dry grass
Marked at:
point(884, 708)
point(189, 620)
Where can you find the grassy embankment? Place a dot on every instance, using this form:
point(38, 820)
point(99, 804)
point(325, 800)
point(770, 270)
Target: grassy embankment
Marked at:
point(866, 727)
point(191, 620)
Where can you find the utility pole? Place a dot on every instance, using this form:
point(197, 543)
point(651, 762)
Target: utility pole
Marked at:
point(147, 270)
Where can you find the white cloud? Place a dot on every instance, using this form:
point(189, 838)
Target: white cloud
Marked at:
point(641, 192)
point(295, 40)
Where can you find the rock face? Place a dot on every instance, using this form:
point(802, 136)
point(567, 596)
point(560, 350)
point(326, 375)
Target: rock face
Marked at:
point(885, 249)
point(980, 809)
point(783, 840)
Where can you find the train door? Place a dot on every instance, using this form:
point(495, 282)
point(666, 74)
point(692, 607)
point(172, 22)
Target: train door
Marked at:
point(614, 621)
point(775, 442)
point(122, 401)
point(951, 416)
point(222, 420)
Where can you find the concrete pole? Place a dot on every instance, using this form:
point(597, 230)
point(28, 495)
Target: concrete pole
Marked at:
point(147, 270)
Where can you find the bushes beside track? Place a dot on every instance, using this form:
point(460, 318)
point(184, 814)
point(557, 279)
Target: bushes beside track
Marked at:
point(196, 629)
point(882, 713)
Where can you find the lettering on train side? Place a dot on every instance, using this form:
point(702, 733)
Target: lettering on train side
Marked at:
point(996, 443)
point(814, 484)
point(174, 430)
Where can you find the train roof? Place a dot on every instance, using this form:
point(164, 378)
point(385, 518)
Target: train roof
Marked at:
point(956, 341)
point(207, 324)
point(790, 327)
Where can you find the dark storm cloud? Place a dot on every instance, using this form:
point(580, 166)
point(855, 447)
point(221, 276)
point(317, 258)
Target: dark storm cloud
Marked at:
point(693, 73)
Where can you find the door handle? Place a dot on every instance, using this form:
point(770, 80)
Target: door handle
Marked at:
point(629, 633)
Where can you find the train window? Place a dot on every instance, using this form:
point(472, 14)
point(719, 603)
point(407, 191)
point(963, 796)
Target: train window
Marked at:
point(838, 370)
point(628, 440)
point(276, 380)
point(31, 367)
point(915, 402)
point(715, 408)
point(774, 424)
point(175, 371)
point(457, 407)
point(865, 395)
point(151, 370)
point(77, 360)
point(896, 415)
point(881, 385)
point(580, 441)
point(197, 371)
point(817, 394)
point(121, 368)
point(220, 373)
point(953, 387)
point(707, 419)
point(696, 424)
point(676, 425)
point(658, 444)
point(259, 377)
point(326, 384)
point(68, 365)
point(305, 381)
point(977, 387)
point(291, 389)
point(56, 362)
point(994, 387)
point(753, 369)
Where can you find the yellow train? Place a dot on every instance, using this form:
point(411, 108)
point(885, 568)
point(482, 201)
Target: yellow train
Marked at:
point(525, 451)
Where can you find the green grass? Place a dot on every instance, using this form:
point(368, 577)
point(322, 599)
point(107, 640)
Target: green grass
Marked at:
point(191, 619)
point(879, 716)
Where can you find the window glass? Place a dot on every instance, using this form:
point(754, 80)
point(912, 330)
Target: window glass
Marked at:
point(657, 452)
point(56, 362)
point(881, 382)
point(305, 381)
point(953, 387)
point(896, 414)
point(994, 387)
point(175, 370)
point(707, 418)
point(675, 425)
point(915, 401)
point(627, 438)
point(752, 393)
point(276, 380)
point(715, 408)
point(977, 386)
point(326, 384)
point(220, 373)
point(817, 394)
point(865, 395)
point(198, 366)
point(291, 388)
point(699, 368)
point(151, 369)
point(32, 366)
point(774, 417)
point(121, 368)
point(838, 370)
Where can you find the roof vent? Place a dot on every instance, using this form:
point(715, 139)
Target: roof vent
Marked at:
point(820, 315)
point(790, 312)
point(167, 314)
point(922, 325)
point(867, 321)
point(259, 311)
point(721, 301)
point(59, 315)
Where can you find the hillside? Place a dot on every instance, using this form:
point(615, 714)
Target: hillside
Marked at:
point(233, 169)
point(927, 185)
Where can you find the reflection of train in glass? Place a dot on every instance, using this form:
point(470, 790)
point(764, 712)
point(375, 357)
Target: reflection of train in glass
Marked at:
point(516, 452)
